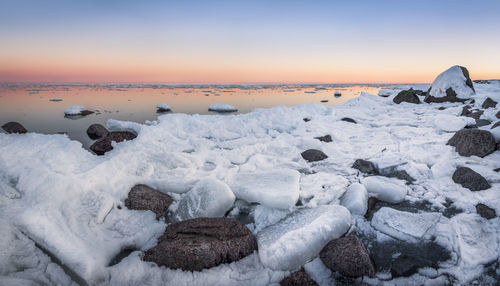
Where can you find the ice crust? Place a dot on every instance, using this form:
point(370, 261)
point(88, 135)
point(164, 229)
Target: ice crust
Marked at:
point(74, 110)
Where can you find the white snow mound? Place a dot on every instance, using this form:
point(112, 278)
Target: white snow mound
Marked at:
point(220, 107)
point(454, 78)
point(385, 189)
point(164, 106)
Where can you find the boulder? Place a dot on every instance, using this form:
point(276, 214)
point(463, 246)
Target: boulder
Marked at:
point(489, 103)
point(452, 85)
point(201, 243)
point(497, 115)
point(485, 211)
point(347, 119)
point(14, 127)
point(495, 125)
point(97, 131)
point(371, 205)
point(326, 138)
point(409, 96)
point(348, 256)
point(482, 122)
point(313, 155)
point(466, 111)
point(470, 179)
point(142, 197)
point(104, 145)
point(298, 278)
point(473, 142)
point(365, 166)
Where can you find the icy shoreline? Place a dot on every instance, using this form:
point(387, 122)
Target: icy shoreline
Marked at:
point(66, 200)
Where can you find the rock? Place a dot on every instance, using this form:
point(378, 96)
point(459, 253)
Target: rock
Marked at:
point(142, 197)
point(324, 100)
point(326, 138)
point(200, 243)
point(298, 278)
point(163, 107)
point(405, 265)
point(372, 203)
point(482, 122)
point(348, 256)
point(497, 115)
point(409, 96)
point(86, 112)
point(495, 125)
point(470, 179)
point(489, 103)
point(103, 145)
point(453, 85)
point(466, 111)
point(485, 211)
point(475, 142)
point(313, 155)
point(96, 131)
point(365, 166)
point(306, 119)
point(347, 119)
point(441, 108)
point(14, 127)
point(482, 81)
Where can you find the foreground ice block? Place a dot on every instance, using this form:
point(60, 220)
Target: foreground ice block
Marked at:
point(404, 225)
point(300, 236)
point(208, 198)
point(275, 189)
point(355, 199)
point(385, 189)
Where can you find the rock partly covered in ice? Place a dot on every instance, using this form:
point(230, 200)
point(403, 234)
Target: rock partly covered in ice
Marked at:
point(470, 179)
point(208, 198)
point(97, 131)
point(355, 199)
point(274, 189)
point(409, 96)
point(489, 103)
point(348, 256)
point(202, 243)
point(222, 108)
point(300, 236)
point(14, 127)
point(77, 110)
point(298, 278)
point(453, 85)
point(473, 142)
point(104, 145)
point(385, 189)
point(163, 107)
point(365, 166)
point(142, 197)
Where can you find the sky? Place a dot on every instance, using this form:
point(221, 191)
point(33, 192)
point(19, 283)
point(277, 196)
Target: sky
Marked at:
point(96, 41)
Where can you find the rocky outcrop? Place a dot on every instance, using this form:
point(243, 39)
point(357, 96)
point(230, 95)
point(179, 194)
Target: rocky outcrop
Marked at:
point(473, 142)
point(470, 179)
point(452, 85)
point(298, 278)
point(104, 145)
point(313, 155)
point(142, 197)
point(201, 243)
point(14, 127)
point(409, 96)
point(97, 131)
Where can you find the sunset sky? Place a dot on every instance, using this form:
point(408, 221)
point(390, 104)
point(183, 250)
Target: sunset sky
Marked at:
point(246, 41)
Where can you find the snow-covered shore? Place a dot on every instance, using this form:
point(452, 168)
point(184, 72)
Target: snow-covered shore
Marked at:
point(57, 198)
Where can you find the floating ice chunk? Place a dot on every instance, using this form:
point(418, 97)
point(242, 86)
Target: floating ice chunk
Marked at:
point(450, 123)
point(164, 106)
point(222, 108)
point(403, 225)
point(74, 110)
point(208, 198)
point(275, 189)
point(451, 78)
point(300, 236)
point(355, 199)
point(385, 189)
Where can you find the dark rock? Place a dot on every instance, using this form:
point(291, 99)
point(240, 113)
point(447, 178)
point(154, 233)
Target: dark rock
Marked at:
point(372, 204)
point(496, 170)
point(142, 197)
point(475, 142)
point(313, 155)
point(86, 112)
point(201, 243)
point(482, 81)
point(482, 122)
point(348, 256)
point(103, 145)
point(365, 166)
point(473, 101)
point(495, 125)
point(451, 96)
point(324, 100)
point(406, 265)
point(14, 127)
point(298, 278)
point(420, 92)
point(442, 108)
point(306, 119)
point(485, 211)
point(402, 175)
point(326, 138)
point(497, 115)
point(470, 179)
point(96, 131)
point(347, 119)
point(409, 96)
point(489, 103)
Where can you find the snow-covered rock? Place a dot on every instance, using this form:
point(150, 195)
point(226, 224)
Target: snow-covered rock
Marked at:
point(386, 189)
point(453, 85)
point(300, 237)
point(355, 199)
point(221, 107)
point(275, 189)
point(164, 107)
point(450, 123)
point(74, 110)
point(208, 198)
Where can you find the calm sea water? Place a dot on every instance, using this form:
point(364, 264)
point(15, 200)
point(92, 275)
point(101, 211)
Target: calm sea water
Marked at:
point(33, 108)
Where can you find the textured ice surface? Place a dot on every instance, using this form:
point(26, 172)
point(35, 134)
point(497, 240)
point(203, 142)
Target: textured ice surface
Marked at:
point(222, 107)
point(386, 189)
point(74, 110)
point(454, 78)
point(208, 198)
point(274, 189)
point(450, 123)
point(355, 199)
point(300, 236)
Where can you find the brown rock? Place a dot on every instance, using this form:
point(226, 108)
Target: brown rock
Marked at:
point(485, 211)
point(103, 145)
point(469, 142)
point(142, 197)
point(96, 131)
point(469, 179)
point(14, 127)
point(313, 155)
point(298, 278)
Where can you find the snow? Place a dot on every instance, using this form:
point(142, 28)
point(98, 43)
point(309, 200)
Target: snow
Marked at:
point(450, 123)
point(386, 189)
point(454, 78)
point(208, 198)
point(355, 199)
point(74, 110)
point(274, 189)
point(221, 107)
point(164, 106)
point(298, 238)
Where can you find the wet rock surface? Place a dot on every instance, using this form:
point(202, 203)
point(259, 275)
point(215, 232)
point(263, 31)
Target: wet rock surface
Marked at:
point(97, 131)
point(469, 142)
point(326, 138)
point(142, 197)
point(14, 127)
point(409, 96)
point(485, 211)
point(313, 155)
point(348, 256)
point(298, 278)
point(202, 243)
point(469, 179)
point(104, 145)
